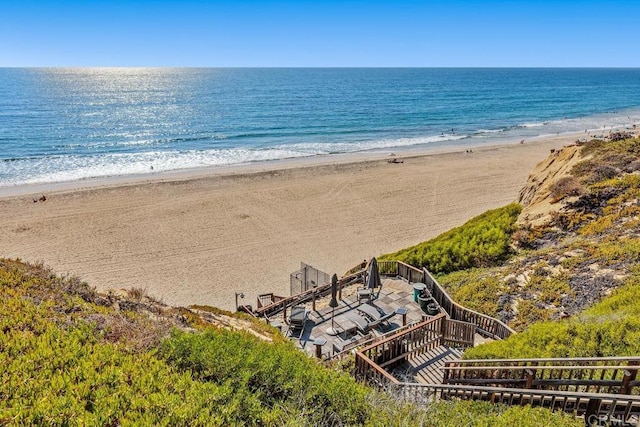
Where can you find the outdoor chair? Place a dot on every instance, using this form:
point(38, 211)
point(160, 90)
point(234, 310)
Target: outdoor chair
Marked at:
point(298, 318)
point(375, 315)
point(364, 294)
point(361, 324)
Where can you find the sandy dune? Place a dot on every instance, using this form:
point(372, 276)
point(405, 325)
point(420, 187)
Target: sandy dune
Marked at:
point(198, 239)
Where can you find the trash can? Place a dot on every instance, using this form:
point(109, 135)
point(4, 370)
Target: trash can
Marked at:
point(418, 288)
point(424, 300)
point(432, 308)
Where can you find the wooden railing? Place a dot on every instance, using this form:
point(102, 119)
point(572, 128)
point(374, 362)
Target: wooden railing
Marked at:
point(458, 334)
point(410, 273)
point(608, 409)
point(587, 375)
point(585, 361)
point(409, 343)
point(369, 372)
point(371, 340)
point(268, 299)
point(278, 304)
point(282, 303)
point(388, 268)
point(485, 325)
point(400, 269)
point(395, 349)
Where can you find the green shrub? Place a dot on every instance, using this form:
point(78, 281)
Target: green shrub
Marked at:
point(607, 160)
point(481, 242)
point(477, 289)
point(67, 377)
point(548, 289)
point(274, 374)
point(448, 414)
point(469, 414)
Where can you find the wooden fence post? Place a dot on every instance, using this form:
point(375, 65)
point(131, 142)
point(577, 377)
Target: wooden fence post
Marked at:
point(629, 375)
point(446, 373)
point(319, 342)
point(531, 374)
point(443, 329)
point(593, 407)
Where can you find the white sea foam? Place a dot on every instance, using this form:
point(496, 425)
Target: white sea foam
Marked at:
point(481, 131)
point(53, 169)
point(532, 125)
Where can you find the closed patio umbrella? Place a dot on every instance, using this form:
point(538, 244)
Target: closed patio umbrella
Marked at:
point(373, 276)
point(333, 303)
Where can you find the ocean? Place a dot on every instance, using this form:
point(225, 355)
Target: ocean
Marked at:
point(67, 124)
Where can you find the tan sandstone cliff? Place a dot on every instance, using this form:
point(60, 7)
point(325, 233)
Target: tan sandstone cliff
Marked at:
point(535, 197)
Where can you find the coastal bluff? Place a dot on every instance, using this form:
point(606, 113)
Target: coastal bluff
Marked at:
point(536, 197)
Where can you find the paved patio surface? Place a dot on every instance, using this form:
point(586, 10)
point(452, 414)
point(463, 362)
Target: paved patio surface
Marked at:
point(393, 295)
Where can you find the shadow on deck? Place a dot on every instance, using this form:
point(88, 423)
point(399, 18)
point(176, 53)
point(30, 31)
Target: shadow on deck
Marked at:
point(427, 368)
point(350, 321)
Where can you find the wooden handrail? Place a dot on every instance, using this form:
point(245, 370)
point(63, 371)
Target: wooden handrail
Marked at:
point(304, 296)
point(539, 367)
point(373, 340)
point(596, 408)
point(292, 300)
point(584, 375)
point(549, 359)
point(605, 407)
point(453, 387)
point(363, 367)
point(486, 325)
point(416, 326)
point(457, 333)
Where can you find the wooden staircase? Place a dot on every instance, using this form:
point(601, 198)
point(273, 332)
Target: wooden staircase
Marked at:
point(595, 408)
point(428, 366)
point(605, 391)
point(613, 375)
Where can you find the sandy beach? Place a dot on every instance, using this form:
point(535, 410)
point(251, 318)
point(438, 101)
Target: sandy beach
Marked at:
point(198, 237)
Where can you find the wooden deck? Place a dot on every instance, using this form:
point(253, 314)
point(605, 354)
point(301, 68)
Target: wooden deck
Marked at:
point(395, 294)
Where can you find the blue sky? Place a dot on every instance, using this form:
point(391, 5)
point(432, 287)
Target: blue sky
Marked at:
point(303, 33)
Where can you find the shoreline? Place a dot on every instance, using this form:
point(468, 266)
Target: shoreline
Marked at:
point(491, 139)
point(199, 237)
point(267, 166)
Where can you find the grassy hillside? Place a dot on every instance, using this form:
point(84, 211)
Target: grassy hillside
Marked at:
point(481, 242)
point(589, 254)
point(572, 285)
point(71, 356)
point(609, 328)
